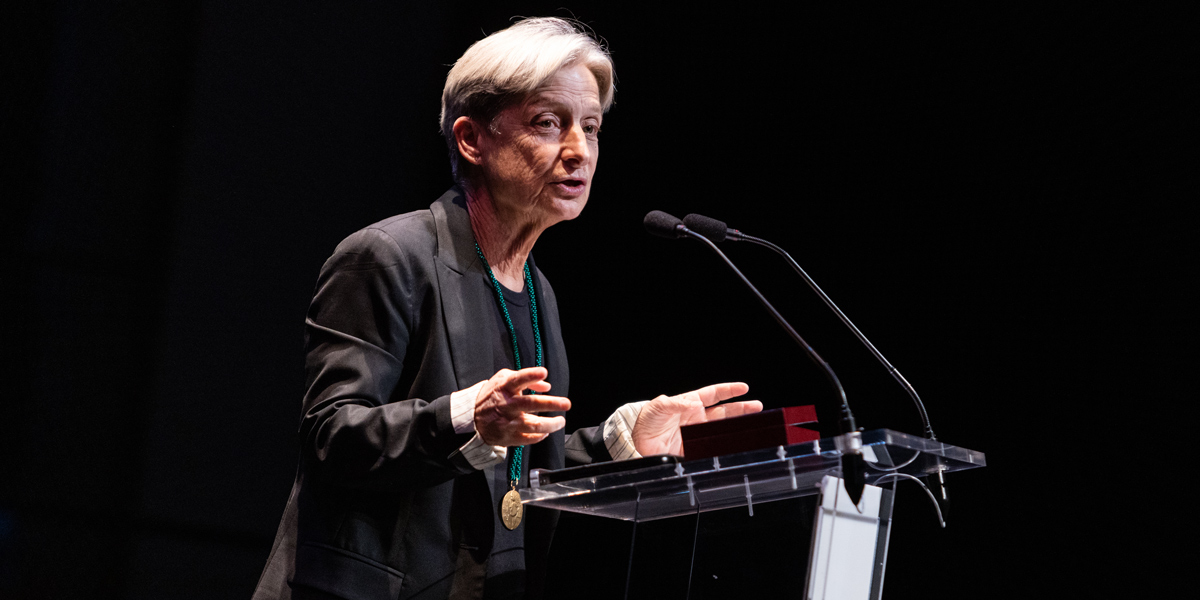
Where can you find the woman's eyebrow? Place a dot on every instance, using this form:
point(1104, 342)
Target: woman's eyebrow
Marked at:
point(540, 101)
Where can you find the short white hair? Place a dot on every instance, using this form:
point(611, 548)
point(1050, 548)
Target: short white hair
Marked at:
point(512, 63)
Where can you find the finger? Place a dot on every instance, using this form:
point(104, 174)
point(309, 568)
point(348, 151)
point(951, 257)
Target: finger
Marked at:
point(519, 439)
point(530, 429)
point(715, 393)
point(733, 409)
point(685, 408)
point(677, 404)
point(538, 403)
point(541, 425)
point(540, 387)
point(516, 381)
point(527, 439)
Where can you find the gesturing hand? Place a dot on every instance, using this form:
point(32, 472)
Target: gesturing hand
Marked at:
point(504, 417)
point(657, 428)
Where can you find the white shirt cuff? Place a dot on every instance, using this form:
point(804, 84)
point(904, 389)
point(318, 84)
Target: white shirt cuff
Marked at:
point(478, 453)
point(618, 431)
point(462, 409)
point(482, 454)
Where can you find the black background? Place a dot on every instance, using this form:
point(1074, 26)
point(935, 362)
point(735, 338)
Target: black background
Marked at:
point(994, 194)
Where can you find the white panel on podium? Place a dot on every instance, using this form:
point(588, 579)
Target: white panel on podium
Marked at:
point(849, 543)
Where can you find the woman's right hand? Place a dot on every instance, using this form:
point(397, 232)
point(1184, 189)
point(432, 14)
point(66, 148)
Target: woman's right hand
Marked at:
point(504, 415)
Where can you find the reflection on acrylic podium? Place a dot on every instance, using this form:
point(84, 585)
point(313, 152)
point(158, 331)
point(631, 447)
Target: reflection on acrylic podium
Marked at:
point(847, 544)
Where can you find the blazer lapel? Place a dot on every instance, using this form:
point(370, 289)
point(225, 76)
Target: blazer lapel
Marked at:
point(465, 300)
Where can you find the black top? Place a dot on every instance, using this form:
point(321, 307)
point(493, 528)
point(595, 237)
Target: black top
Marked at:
point(506, 567)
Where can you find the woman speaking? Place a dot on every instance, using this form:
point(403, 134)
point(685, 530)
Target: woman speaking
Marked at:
point(435, 370)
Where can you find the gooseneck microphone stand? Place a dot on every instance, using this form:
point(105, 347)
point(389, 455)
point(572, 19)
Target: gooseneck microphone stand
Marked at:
point(912, 393)
point(718, 231)
point(854, 470)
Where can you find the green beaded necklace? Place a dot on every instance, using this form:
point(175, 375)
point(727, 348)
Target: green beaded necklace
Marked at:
point(514, 463)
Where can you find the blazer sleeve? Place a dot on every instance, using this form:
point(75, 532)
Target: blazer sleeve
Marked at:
point(358, 330)
point(586, 446)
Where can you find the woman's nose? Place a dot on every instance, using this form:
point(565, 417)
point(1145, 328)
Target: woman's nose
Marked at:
point(575, 146)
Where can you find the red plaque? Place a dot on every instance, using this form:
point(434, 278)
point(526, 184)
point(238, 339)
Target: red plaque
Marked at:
point(766, 429)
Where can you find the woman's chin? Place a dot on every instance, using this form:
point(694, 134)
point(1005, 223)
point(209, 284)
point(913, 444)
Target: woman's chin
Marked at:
point(569, 208)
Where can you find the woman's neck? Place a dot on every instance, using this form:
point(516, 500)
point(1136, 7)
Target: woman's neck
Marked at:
point(504, 239)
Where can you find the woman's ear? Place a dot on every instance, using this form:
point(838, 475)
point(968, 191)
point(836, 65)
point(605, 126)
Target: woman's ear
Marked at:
point(468, 135)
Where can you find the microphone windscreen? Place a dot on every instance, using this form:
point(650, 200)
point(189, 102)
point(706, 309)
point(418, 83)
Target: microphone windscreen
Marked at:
point(661, 224)
point(710, 228)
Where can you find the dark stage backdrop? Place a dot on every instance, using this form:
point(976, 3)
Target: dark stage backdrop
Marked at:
point(993, 194)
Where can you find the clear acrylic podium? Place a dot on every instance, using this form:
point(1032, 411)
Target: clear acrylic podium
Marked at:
point(661, 487)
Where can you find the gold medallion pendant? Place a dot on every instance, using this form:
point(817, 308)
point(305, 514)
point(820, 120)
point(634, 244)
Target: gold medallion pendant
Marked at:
point(511, 509)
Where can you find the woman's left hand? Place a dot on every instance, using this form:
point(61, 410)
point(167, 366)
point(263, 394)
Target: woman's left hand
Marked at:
point(657, 427)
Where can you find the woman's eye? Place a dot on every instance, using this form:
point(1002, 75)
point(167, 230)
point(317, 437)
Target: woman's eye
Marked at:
point(591, 129)
point(545, 123)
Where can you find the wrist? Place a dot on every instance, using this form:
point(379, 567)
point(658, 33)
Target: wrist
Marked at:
point(462, 408)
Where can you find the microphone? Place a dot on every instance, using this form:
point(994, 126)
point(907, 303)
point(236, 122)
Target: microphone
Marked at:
point(712, 229)
point(719, 231)
point(661, 224)
point(853, 468)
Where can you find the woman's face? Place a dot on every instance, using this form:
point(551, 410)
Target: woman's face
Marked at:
point(538, 157)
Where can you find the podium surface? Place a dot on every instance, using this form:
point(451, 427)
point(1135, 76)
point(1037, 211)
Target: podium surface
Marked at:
point(660, 487)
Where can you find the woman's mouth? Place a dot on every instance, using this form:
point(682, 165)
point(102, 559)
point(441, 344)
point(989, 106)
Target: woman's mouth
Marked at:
point(571, 186)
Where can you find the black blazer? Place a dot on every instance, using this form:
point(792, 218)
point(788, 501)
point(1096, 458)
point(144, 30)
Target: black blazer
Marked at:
point(384, 505)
